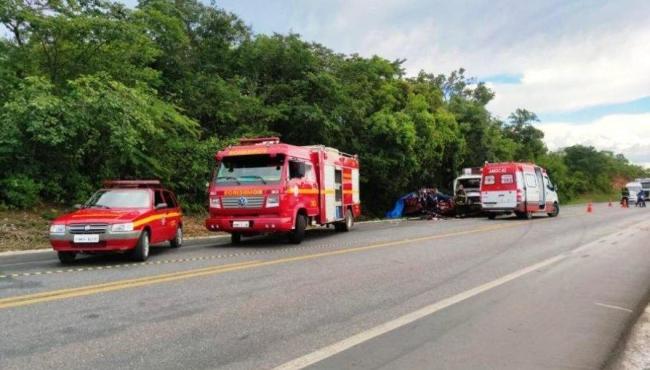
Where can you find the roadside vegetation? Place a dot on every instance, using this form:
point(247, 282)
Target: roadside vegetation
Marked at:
point(92, 90)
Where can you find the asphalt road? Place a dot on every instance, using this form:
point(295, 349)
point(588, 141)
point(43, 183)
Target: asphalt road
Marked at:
point(455, 294)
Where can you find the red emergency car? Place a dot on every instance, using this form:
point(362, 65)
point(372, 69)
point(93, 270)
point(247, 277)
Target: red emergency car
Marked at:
point(265, 186)
point(519, 188)
point(123, 216)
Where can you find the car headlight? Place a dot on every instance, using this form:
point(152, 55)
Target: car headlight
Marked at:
point(118, 228)
point(215, 202)
point(273, 200)
point(57, 229)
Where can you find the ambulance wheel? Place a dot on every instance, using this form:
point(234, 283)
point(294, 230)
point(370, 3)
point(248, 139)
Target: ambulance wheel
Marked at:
point(347, 224)
point(235, 238)
point(141, 251)
point(298, 234)
point(492, 216)
point(66, 258)
point(556, 210)
point(177, 242)
point(524, 215)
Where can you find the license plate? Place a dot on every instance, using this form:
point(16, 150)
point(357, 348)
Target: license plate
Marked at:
point(240, 224)
point(88, 238)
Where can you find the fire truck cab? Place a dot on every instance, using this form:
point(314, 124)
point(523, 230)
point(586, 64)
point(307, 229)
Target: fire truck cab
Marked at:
point(519, 188)
point(264, 186)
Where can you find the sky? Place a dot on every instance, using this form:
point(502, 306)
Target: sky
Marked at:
point(582, 66)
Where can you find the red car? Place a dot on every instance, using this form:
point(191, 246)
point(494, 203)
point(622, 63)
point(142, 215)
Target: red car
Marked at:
point(124, 216)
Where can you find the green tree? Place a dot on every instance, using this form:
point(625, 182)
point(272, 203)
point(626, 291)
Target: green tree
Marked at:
point(529, 139)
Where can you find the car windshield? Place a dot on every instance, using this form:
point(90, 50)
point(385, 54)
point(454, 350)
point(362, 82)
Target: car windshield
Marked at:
point(120, 198)
point(251, 169)
point(470, 183)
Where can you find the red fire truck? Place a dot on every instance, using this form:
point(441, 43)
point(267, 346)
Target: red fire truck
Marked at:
point(265, 186)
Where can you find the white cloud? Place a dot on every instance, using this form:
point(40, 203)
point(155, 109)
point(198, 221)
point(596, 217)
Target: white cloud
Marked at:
point(571, 55)
point(581, 73)
point(628, 134)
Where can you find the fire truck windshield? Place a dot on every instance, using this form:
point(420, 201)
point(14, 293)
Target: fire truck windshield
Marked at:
point(249, 169)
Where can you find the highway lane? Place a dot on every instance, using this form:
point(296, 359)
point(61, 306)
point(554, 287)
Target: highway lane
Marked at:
point(266, 303)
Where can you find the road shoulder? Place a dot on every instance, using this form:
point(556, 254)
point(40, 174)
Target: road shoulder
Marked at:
point(635, 354)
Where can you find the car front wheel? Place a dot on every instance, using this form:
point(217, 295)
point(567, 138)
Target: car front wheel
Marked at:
point(66, 258)
point(141, 251)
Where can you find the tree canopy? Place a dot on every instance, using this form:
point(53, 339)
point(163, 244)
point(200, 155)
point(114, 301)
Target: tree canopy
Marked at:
point(91, 89)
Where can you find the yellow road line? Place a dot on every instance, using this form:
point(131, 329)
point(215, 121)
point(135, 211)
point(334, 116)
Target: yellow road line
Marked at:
point(213, 270)
point(116, 285)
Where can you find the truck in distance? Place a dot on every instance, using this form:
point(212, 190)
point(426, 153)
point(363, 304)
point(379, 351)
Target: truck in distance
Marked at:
point(264, 186)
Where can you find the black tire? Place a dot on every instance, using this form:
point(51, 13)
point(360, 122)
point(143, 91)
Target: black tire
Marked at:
point(298, 233)
point(556, 210)
point(492, 216)
point(524, 215)
point(66, 258)
point(177, 242)
point(347, 224)
point(235, 238)
point(141, 251)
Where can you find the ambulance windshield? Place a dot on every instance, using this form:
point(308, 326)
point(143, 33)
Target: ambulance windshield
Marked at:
point(249, 170)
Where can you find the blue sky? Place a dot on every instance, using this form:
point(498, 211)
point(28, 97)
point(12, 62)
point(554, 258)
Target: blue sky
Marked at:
point(583, 66)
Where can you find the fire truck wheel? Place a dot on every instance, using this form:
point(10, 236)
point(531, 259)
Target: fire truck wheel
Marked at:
point(177, 242)
point(66, 258)
point(298, 234)
point(141, 251)
point(235, 238)
point(556, 210)
point(347, 224)
point(492, 216)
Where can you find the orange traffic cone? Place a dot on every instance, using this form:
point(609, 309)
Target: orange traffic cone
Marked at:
point(589, 208)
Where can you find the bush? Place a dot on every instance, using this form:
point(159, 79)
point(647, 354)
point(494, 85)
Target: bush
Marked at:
point(19, 192)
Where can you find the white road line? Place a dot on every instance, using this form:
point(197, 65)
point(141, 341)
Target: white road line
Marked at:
point(384, 328)
point(613, 307)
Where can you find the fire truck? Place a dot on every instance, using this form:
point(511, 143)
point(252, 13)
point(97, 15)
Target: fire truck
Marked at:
point(519, 188)
point(264, 186)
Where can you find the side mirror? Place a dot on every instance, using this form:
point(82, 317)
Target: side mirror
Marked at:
point(161, 205)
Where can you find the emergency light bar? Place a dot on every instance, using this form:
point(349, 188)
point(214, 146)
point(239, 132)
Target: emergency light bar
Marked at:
point(259, 140)
point(132, 183)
